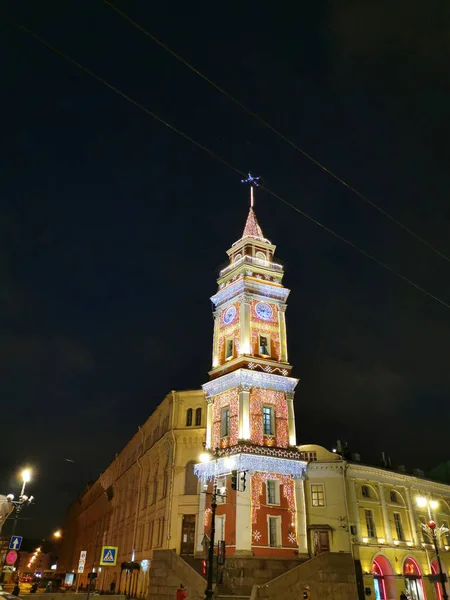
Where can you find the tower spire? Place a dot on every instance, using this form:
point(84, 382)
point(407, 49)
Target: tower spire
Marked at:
point(252, 228)
point(253, 181)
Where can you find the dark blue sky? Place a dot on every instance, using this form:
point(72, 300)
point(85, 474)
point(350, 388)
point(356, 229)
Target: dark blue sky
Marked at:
point(112, 228)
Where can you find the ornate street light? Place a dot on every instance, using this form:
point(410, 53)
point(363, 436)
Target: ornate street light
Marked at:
point(206, 457)
point(431, 525)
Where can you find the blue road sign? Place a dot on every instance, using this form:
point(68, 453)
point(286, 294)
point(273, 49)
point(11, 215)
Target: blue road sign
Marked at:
point(15, 542)
point(108, 556)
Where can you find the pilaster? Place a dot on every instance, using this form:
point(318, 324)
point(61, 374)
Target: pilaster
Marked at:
point(386, 524)
point(200, 523)
point(302, 524)
point(244, 411)
point(354, 510)
point(412, 518)
point(215, 357)
point(244, 522)
point(283, 337)
point(291, 418)
point(245, 338)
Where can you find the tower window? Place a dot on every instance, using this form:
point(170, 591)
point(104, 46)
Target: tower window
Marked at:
point(264, 345)
point(274, 526)
point(260, 255)
point(189, 417)
point(268, 420)
point(273, 491)
point(229, 348)
point(198, 417)
point(225, 422)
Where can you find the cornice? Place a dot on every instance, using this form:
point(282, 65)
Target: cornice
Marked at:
point(251, 378)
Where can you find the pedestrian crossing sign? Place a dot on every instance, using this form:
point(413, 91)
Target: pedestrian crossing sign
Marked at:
point(108, 557)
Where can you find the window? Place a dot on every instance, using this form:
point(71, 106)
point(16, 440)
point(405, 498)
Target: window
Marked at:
point(370, 524)
point(365, 491)
point(237, 257)
point(317, 494)
point(399, 527)
point(274, 526)
point(268, 428)
point(264, 345)
point(225, 422)
point(273, 491)
point(309, 456)
point(190, 480)
point(189, 417)
point(260, 255)
point(221, 483)
point(229, 348)
point(393, 496)
point(198, 417)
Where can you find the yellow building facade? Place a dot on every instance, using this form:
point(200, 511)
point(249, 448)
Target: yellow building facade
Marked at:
point(374, 514)
point(146, 499)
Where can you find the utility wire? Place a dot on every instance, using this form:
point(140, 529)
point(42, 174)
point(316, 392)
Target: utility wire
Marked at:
point(226, 163)
point(360, 195)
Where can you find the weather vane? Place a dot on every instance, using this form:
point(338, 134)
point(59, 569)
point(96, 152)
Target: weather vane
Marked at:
point(253, 181)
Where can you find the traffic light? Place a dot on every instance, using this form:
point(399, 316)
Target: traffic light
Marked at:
point(234, 480)
point(244, 481)
point(203, 567)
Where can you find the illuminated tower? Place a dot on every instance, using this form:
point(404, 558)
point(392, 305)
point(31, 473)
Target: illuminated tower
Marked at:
point(250, 410)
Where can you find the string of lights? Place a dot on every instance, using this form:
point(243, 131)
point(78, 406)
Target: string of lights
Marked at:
point(263, 122)
point(229, 165)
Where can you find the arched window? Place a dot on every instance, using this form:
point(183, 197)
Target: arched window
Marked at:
point(383, 578)
point(191, 481)
point(198, 417)
point(413, 579)
point(189, 417)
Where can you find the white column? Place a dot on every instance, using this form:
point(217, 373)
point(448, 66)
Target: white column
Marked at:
point(386, 524)
point(245, 345)
point(283, 339)
point(302, 525)
point(244, 412)
point(209, 421)
point(291, 418)
point(215, 357)
point(354, 511)
point(200, 522)
point(412, 518)
point(244, 520)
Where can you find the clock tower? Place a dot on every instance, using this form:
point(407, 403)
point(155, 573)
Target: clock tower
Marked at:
point(250, 405)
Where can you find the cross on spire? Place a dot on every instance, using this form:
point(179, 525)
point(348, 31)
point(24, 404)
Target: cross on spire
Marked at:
point(253, 181)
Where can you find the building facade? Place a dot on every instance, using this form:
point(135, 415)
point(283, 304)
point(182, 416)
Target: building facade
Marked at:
point(146, 499)
point(379, 516)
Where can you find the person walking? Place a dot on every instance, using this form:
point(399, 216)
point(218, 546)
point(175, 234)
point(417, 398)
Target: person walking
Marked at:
point(112, 587)
point(34, 588)
point(181, 593)
point(16, 590)
point(49, 587)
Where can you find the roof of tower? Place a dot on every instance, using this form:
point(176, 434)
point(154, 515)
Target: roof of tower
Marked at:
point(252, 228)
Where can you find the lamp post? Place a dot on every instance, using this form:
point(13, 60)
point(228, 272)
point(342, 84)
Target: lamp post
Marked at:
point(209, 592)
point(17, 505)
point(431, 524)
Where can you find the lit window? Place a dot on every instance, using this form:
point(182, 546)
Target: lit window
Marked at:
point(189, 417)
point(370, 524)
point(317, 494)
point(274, 531)
point(198, 417)
point(264, 345)
point(229, 348)
point(365, 491)
point(220, 528)
point(399, 527)
point(273, 491)
point(225, 423)
point(268, 428)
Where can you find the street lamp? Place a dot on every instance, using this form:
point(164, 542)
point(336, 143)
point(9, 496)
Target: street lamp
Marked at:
point(57, 534)
point(431, 524)
point(209, 592)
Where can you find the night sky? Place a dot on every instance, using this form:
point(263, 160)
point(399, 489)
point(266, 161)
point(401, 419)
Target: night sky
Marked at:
point(113, 228)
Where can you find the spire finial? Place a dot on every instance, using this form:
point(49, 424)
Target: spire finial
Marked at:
point(253, 181)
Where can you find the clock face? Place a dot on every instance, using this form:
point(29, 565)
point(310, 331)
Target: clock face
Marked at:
point(229, 315)
point(264, 311)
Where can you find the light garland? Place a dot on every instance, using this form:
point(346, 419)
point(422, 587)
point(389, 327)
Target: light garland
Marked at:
point(258, 398)
point(258, 479)
point(206, 517)
point(239, 286)
point(253, 463)
point(269, 381)
point(226, 399)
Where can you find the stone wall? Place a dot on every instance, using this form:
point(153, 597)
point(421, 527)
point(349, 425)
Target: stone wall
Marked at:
point(167, 571)
point(330, 576)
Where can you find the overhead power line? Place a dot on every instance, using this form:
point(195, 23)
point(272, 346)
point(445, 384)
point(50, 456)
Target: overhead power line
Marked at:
point(360, 195)
point(226, 163)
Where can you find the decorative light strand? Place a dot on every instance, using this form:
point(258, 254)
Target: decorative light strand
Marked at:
point(269, 381)
point(252, 463)
point(226, 399)
point(258, 398)
point(258, 479)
